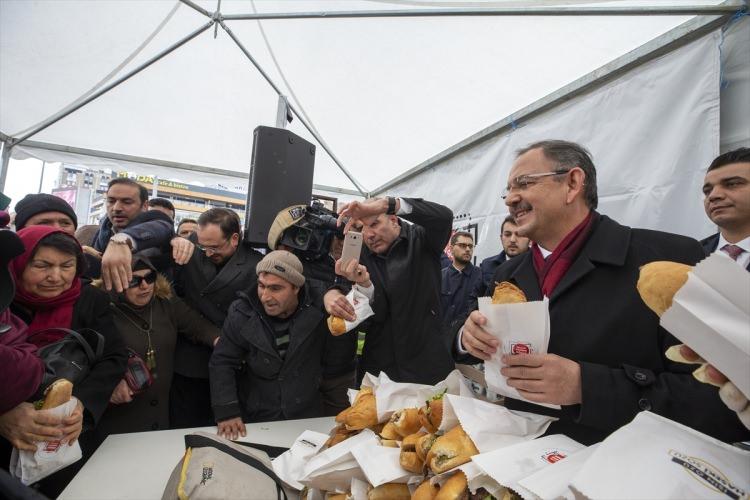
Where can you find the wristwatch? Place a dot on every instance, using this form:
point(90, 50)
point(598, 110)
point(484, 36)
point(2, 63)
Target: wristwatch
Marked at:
point(391, 205)
point(121, 239)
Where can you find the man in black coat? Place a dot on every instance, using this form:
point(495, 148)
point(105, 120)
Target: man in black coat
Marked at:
point(268, 363)
point(222, 266)
point(727, 203)
point(404, 337)
point(606, 357)
point(130, 227)
point(513, 244)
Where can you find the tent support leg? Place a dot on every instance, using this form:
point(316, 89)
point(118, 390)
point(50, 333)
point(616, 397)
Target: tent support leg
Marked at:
point(354, 181)
point(62, 114)
point(4, 163)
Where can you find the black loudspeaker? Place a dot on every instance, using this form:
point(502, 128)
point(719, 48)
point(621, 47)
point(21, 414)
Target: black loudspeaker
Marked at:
point(281, 174)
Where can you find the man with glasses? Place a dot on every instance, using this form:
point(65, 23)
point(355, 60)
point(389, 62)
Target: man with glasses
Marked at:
point(606, 357)
point(223, 265)
point(461, 281)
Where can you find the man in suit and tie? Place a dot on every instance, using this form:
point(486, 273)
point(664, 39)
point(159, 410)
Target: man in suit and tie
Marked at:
point(727, 203)
point(223, 266)
point(605, 360)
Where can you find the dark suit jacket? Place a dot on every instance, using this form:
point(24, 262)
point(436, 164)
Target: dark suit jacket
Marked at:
point(210, 290)
point(404, 337)
point(598, 319)
point(488, 267)
point(711, 243)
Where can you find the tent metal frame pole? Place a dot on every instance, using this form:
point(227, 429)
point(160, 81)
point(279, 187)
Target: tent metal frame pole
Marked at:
point(197, 7)
point(320, 140)
point(668, 42)
point(4, 163)
point(62, 114)
point(696, 10)
point(164, 163)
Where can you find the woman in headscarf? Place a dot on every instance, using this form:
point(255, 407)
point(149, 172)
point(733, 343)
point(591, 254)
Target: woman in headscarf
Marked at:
point(50, 295)
point(150, 317)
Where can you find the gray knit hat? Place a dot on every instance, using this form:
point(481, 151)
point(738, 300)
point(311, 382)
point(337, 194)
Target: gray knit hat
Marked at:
point(283, 264)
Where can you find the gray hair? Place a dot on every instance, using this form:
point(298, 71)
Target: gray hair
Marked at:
point(568, 155)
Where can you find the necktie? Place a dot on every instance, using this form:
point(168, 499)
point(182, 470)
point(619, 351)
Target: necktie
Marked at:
point(732, 250)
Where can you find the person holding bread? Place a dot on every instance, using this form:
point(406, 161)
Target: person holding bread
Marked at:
point(268, 363)
point(606, 357)
point(49, 295)
point(405, 337)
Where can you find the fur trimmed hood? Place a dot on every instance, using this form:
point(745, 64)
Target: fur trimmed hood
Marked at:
point(162, 287)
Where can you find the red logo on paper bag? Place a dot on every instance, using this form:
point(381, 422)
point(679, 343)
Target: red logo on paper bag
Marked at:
point(51, 446)
point(520, 348)
point(553, 456)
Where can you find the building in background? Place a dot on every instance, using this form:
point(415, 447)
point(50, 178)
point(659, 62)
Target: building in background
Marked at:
point(84, 189)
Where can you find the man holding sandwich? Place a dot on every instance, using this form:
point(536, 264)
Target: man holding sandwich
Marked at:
point(606, 357)
point(404, 337)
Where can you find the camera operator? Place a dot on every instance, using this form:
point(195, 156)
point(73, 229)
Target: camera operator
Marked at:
point(312, 234)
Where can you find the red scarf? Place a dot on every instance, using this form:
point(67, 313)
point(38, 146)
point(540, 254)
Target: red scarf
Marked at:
point(47, 312)
point(550, 271)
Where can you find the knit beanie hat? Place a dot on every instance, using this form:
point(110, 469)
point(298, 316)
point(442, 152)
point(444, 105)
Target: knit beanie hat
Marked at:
point(283, 264)
point(33, 204)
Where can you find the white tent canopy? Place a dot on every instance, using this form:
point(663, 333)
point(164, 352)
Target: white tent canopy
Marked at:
point(384, 93)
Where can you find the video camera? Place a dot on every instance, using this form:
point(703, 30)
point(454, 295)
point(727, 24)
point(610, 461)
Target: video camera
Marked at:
point(312, 230)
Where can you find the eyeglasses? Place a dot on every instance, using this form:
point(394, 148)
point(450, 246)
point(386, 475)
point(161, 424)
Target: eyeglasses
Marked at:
point(523, 182)
point(466, 246)
point(212, 250)
point(150, 278)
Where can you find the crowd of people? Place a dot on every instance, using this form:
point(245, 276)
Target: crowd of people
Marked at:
point(226, 333)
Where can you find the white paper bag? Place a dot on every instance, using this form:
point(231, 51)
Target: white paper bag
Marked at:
point(711, 314)
point(552, 482)
point(380, 464)
point(290, 465)
point(334, 468)
point(520, 329)
point(510, 464)
point(491, 426)
point(362, 308)
point(49, 457)
point(654, 457)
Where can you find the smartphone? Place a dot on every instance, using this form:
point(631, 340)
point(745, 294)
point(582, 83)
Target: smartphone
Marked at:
point(352, 247)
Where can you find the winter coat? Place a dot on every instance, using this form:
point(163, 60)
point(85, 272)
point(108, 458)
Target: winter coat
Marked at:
point(248, 376)
point(92, 310)
point(404, 338)
point(210, 290)
point(167, 316)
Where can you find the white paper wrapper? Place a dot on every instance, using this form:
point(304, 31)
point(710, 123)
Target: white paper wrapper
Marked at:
point(711, 314)
point(393, 396)
point(491, 426)
point(49, 457)
point(653, 457)
point(359, 489)
point(510, 464)
point(520, 329)
point(380, 464)
point(290, 465)
point(341, 453)
point(552, 482)
point(362, 308)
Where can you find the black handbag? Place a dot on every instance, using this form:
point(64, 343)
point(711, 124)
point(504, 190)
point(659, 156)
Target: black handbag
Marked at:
point(72, 356)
